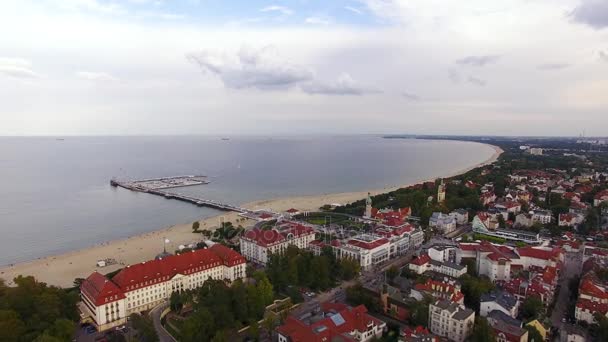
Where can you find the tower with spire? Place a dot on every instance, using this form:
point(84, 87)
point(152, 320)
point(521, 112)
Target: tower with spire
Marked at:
point(368, 206)
point(441, 192)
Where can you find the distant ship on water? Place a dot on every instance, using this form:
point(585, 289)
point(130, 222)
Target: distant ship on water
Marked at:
point(225, 138)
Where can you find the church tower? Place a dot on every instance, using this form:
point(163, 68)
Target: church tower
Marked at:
point(441, 193)
point(368, 206)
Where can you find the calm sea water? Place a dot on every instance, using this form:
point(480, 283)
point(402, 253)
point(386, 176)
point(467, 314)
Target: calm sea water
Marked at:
point(56, 194)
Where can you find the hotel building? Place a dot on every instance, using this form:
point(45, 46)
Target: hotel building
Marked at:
point(140, 287)
point(257, 244)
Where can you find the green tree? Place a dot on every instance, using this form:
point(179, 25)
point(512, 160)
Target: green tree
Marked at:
point(473, 288)
point(175, 302)
point(419, 312)
point(532, 308)
point(391, 273)
point(145, 327)
point(11, 327)
point(254, 330)
point(195, 226)
point(198, 327)
point(482, 331)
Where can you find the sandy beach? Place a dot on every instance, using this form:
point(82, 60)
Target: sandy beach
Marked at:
point(61, 270)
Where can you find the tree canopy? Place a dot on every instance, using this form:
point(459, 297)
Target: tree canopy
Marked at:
point(33, 311)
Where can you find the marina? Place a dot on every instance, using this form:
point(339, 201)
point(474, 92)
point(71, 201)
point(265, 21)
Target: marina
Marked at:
point(165, 182)
point(157, 186)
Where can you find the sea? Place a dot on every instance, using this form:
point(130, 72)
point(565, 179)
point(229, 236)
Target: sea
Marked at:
point(56, 194)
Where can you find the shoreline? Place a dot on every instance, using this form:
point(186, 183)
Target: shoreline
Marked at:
point(61, 270)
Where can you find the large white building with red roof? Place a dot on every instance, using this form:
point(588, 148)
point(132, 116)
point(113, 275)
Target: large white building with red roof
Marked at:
point(340, 323)
point(258, 244)
point(498, 262)
point(140, 287)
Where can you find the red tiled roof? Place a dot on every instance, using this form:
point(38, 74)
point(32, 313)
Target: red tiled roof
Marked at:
point(264, 237)
point(588, 287)
point(265, 216)
point(421, 260)
point(228, 255)
point(566, 217)
point(160, 270)
point(100, 289)
point(592, 306)
point(292, 210)
point(601, 195)
point(497, 257)
point(538, 253)
point(368, 245)
point(326, 329)
point(469, 246)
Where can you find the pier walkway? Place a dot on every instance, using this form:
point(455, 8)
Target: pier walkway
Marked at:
point(133, 186)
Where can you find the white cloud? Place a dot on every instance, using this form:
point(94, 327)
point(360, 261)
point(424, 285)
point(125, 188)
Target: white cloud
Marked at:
point(593, 13)
point(353, 9)
point(344, 85)
point(252, 68)
point(478, 61)
point(317, 21)
point(96, 76)
point(280, 9)
point(553, 66)
point(17, 68)
point(90, 5)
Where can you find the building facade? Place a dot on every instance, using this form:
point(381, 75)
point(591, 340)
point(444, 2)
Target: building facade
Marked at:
point(451, 320)
point(257, 245)
point(141, 287)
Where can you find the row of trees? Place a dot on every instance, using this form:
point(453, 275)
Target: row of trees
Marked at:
point(297, 268)
point(219, 308)
point(33, 311)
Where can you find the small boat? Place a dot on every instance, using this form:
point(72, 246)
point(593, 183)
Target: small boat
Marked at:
point(225, 138)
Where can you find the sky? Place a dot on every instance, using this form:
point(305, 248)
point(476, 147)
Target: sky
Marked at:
point(224, 67)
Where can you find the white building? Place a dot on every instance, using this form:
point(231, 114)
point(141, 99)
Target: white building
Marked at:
point(461, 216)
point(496, 261)
point(442, 222)
point(257, 244)
point(136, 288)
point(536, 151)
point(424, 263)
point(369, 250)
point(442, 253)
point(542, 216)
point(374, 249)
point(498, 300)
point(451, 320)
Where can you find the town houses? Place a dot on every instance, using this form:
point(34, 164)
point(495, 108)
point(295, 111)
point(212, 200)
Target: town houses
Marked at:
point(140, 287)
point(593, 291)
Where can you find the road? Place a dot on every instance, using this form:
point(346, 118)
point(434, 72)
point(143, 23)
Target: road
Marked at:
point(163, 334)
point(572, 268)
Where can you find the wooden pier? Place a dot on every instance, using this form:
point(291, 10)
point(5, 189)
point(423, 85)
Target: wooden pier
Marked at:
point(201, 202)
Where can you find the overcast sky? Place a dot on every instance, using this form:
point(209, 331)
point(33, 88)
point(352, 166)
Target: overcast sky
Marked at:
point(506, 67)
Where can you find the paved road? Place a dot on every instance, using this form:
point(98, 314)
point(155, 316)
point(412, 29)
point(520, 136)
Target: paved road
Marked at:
point(163, 334)
point(572, 268)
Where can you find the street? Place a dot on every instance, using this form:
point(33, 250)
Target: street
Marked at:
point(163, 335)
point(572, 268)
